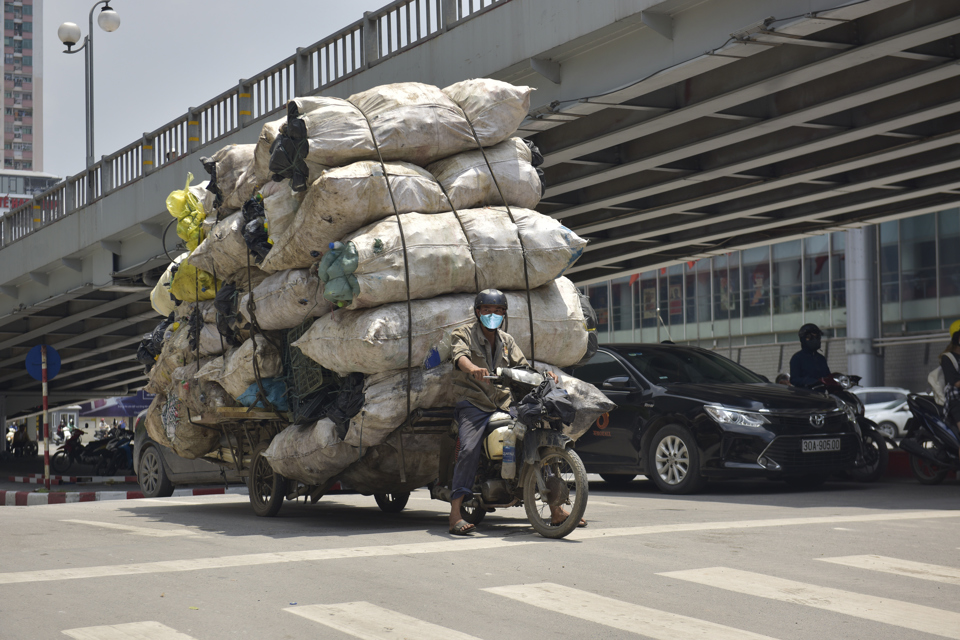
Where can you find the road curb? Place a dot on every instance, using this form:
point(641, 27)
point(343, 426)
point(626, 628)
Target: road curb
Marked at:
point(29, 498)
point(37, 478)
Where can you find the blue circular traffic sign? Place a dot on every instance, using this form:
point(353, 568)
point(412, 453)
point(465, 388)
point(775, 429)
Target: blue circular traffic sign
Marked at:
point(35, 363)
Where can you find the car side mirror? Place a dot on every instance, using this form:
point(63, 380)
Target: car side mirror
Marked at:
point(618, 383)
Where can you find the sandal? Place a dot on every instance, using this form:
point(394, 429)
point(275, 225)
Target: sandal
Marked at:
point(462, 528)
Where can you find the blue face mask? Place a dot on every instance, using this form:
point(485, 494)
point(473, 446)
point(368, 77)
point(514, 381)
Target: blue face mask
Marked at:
point(492, 321)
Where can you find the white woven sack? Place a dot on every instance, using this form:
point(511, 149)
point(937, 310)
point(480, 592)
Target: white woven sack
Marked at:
point(494, 108)
point(224, 251)
point(444, 257)
point(234, 370)
point(343, 200)
point(285, 299)
point(379, 470)
point(466, 176)
point(234, 172)
point(160, 296)
point(261, 154)
point(375, 340)
point(280, 204)
point(315, 453)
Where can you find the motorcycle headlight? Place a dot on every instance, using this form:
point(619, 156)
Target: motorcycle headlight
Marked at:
point(726, 415)
point(844, 381)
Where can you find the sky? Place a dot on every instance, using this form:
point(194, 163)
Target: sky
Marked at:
point(167, 56)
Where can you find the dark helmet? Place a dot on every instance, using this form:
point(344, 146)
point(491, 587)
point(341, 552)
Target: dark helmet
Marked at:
point(490, 296)
point(809, 329)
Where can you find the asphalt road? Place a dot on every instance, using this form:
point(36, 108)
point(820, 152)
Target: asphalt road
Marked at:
point(744, 560)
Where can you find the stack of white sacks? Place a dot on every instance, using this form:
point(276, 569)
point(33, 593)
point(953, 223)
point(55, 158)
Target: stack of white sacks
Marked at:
point(337, 255)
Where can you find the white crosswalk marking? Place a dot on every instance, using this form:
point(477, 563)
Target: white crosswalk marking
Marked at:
point(885, 610)
point(625, 616)
point(370, 622)
point(131, 631)
point(922, 570)
point(140, 531)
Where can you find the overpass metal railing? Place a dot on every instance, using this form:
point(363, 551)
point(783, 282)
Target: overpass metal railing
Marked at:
point(378, 36)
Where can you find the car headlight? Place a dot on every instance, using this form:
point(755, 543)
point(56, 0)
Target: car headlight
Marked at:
point(726, 415)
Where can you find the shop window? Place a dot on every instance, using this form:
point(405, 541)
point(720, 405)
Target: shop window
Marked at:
point(816, 273)
point(726, 287)
point(889, 262)
point(598, 299)
point(671, 296)
point(690, 287)
point(918, 259)
point(620, 302)
point(949, 235)
point(703, 291)
point(756, 282)
point(787, 277)
point(647, 300)
point(838, 268)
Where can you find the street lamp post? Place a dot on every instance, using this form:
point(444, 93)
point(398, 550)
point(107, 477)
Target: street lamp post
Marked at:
point(69, 34)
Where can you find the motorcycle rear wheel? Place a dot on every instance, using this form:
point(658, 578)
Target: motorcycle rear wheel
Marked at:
point(566, 479)
point(391, 502)
point(923, 470)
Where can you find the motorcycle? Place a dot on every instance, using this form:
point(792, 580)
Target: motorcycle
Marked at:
point(525, 461)
point(119, 455)
point(68, 453)
point(931, 442)
point(19, 443)
point(875, 456)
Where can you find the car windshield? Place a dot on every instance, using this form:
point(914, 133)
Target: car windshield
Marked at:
point(893, 405)
point(679, 366)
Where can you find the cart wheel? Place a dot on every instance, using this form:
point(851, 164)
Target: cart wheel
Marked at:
point(391, 502)
point(267, 489)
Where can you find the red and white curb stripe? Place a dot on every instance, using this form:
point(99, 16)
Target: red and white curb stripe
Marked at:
point(37, 478)
point(29, 498)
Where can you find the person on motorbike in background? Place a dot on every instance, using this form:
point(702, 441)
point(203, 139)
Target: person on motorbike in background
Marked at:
point(951, 375)
point(479, 349)
point(808, 366)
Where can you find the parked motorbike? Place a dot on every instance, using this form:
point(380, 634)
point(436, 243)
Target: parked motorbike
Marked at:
point(525, 461)
point(118, 455)
point(931, 441)
point(875, 455)
point(19, 443)
point(69, 453)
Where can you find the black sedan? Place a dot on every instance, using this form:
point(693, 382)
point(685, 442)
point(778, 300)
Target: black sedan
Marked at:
point(686, 415)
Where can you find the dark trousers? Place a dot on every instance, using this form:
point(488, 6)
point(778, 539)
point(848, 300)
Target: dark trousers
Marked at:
point(473, 423)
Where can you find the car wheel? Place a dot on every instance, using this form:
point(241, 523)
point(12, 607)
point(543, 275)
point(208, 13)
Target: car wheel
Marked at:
point(618, 479)
point(888, 429)
point(674, 461)
point(391, 502)
point(152, 477)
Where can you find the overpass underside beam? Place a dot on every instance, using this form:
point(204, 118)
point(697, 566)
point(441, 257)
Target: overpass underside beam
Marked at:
point(831, 125)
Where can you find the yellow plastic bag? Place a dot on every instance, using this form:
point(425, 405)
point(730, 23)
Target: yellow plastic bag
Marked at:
point(188, 210)
point(188, 279)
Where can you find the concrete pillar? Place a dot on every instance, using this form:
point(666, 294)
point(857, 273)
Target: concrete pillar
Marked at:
point(863, 306)
point(245, 102)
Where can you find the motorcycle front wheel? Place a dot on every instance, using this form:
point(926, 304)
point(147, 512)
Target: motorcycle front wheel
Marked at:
point(60, 461)
point(877, 456)
point(564, 480)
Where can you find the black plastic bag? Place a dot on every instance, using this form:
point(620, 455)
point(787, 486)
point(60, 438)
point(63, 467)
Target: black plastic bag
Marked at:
point(347, 403)
point(287, 160)
point(211, 167)
point(547, 402)
point(590, 319)
point(226, 305)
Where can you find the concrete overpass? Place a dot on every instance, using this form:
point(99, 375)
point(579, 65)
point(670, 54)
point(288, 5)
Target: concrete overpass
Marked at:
point(672, 130)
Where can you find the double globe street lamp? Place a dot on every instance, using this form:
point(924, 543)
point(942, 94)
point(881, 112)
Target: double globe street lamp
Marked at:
point(69, 34)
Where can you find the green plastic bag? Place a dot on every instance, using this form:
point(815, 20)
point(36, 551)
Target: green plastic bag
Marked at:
point(336, 271)
point(188, 210)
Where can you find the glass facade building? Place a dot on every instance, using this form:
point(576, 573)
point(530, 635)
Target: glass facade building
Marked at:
point(762, 295)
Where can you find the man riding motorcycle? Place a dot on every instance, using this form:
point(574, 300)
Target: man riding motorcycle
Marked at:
point(808, 366)
point(478, 350)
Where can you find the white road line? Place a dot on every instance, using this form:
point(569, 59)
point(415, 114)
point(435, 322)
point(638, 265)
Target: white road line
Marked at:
point(922, 570)
point(140, 531)
point(370, 622)
point(132, 631)
point(585, 534)
point(651, 623)
point(280, 557)
point(442, 546)
point(886, 610)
